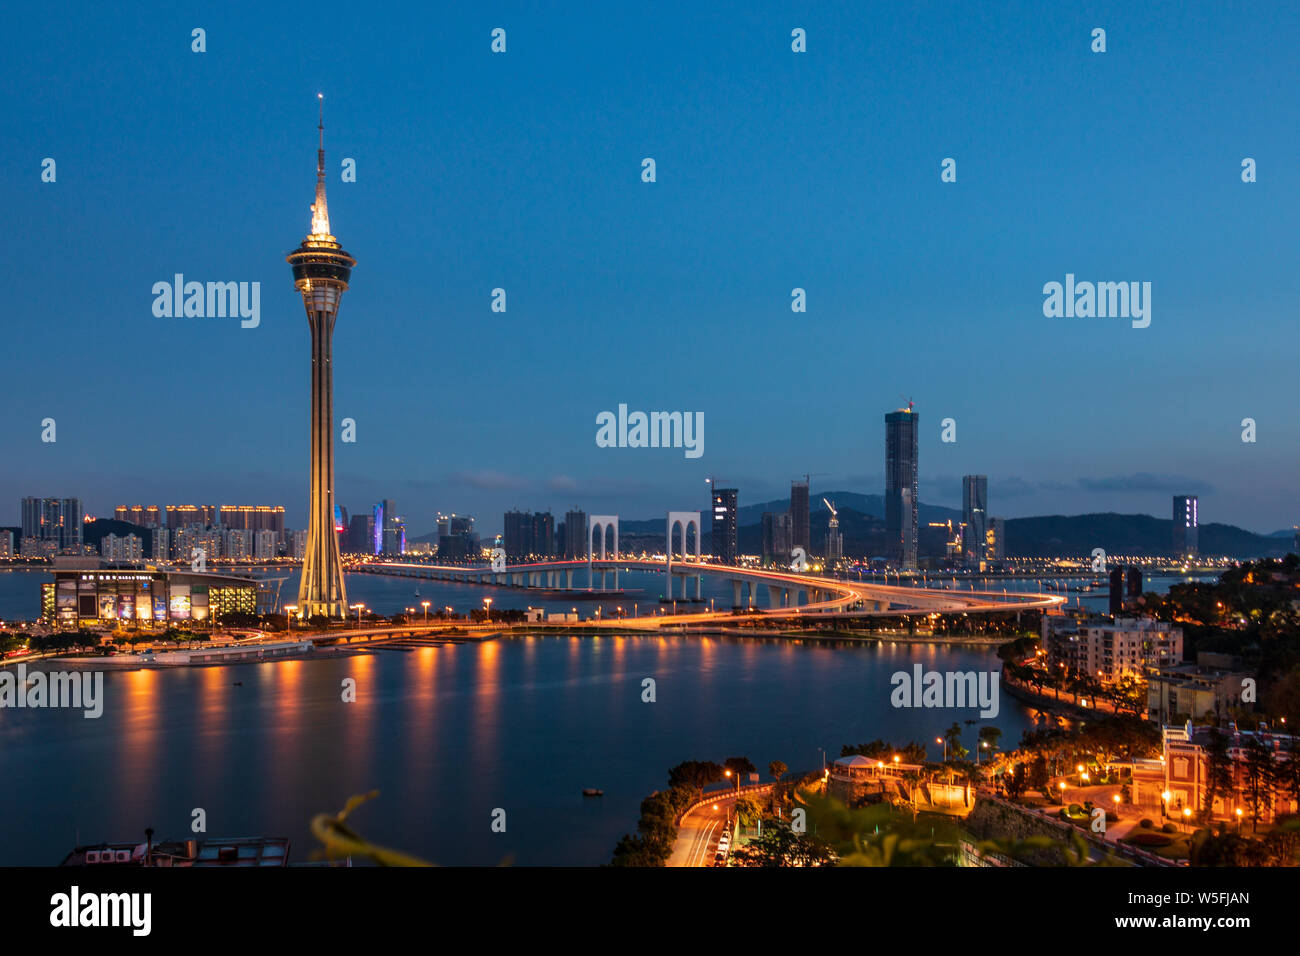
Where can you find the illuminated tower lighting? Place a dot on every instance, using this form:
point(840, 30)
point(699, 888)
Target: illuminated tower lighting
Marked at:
point(321, 270)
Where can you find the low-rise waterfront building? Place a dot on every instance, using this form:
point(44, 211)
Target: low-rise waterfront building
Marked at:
point(81, 596)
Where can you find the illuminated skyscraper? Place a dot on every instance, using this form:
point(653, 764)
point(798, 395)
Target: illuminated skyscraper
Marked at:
point(321, 270)
point(900, 484)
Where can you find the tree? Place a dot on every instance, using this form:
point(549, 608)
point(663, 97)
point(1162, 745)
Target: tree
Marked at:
point(880, 835)
point(1218, 770)
point(989, 735)
point(1287, 772)
point(1259, 774)
point(1016, 781)
point(1039, 779)
point(781, 846)
point(777, 769)
point(695, 774)
point(953, 735)
point(748, 811)
point(1283, 698)
point(740, 766)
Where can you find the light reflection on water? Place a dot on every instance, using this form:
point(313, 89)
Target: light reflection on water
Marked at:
point(447, 735)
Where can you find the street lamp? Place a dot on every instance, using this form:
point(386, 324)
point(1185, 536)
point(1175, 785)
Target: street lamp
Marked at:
point(944, 741)
point(288, 618)
point(487, 607)
point(425, 605)
point(1164, 803)
point(737, 776)
point(358, 608)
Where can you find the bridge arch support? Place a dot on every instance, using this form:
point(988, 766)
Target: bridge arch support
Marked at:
point(599, 525)
point(684, 520)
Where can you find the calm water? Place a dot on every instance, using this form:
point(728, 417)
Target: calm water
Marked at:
point(446, 735)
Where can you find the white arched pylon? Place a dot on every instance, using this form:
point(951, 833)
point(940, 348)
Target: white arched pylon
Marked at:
point(600, 524)
point(685, 519)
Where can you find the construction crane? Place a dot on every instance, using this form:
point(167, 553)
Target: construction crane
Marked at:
point(834, 540)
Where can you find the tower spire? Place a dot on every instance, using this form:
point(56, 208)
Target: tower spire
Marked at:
point(320, 215)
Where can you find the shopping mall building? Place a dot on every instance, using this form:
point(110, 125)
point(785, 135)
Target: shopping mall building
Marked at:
point(86, 596)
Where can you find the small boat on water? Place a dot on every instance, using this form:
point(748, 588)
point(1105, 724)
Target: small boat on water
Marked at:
point(592, 792)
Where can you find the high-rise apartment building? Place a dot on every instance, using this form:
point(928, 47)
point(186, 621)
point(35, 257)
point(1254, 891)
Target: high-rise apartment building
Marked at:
point(237, 544)
point(776, 538)
point(390, 528)
point(266, 545)
point(361, 535)
point(190, 516)
point(252, 517)
point(57, 522)
point(1186, 527)
point(161, 544)
point(517, 536)
point(901, 431)
point(975, 518)
point(456, 538)
point(147, 516)
point(575, 530)
point(121, 548)
point(544, 534)
point(726, 522)
point(800, 532)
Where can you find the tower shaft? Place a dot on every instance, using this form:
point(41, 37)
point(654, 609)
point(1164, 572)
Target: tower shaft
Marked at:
point(322, 591)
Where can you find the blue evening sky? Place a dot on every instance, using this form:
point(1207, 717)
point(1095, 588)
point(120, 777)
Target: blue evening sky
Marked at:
point(775, 170)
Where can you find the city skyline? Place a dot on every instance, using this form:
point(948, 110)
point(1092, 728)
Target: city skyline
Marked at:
point(928, 365)
point(449, 195)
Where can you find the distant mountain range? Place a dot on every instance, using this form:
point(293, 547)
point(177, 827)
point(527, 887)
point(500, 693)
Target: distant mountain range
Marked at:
point(863, 527)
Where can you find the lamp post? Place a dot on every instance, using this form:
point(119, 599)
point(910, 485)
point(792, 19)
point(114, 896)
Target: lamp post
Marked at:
point(487, 608)
point(358, 608)
point(737, 776)
point(944, 741)
point(288, 617)
point(425, 605)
